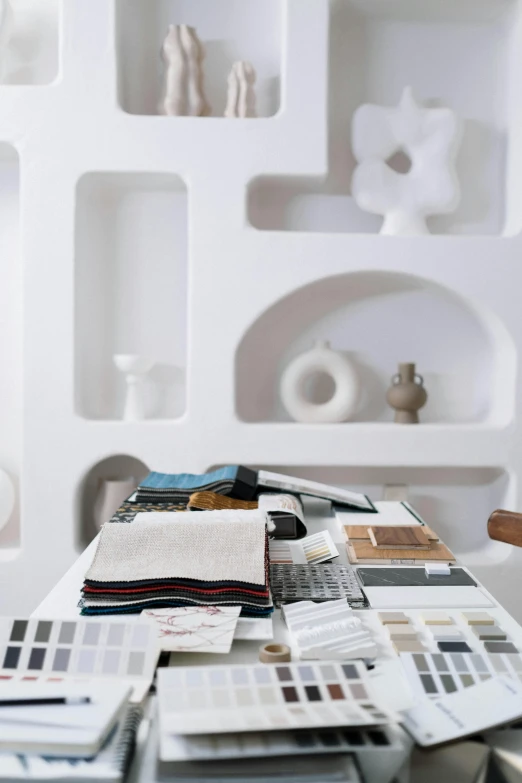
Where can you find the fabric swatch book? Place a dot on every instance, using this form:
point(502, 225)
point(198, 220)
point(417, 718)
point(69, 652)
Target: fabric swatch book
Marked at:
point(110, 765)
point(197, 558)
point(73, 730)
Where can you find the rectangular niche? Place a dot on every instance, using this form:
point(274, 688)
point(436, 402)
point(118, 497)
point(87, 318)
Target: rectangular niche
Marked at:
point(32, 55)
point(230, 30)
point(457, 53)
point(11, 343)
point(130, 290)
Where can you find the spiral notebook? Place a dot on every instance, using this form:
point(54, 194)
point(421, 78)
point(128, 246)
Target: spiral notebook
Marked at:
point(110, 765)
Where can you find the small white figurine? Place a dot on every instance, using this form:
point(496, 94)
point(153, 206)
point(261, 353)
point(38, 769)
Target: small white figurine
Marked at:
point(430, 138)
point(241, 96)
point(6, 31)
point(184, 92)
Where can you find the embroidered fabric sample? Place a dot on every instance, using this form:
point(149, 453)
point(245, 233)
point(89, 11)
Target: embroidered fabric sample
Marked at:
point(206, 629)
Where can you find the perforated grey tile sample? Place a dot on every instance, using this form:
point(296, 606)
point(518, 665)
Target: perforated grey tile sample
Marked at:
point(290, 583)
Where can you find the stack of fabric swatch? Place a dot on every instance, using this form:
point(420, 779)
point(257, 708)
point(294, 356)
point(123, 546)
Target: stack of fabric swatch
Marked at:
point(235, 480)
point(200, 558)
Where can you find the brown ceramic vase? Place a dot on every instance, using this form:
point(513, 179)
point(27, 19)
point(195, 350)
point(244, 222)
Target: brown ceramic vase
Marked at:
point(407, 394)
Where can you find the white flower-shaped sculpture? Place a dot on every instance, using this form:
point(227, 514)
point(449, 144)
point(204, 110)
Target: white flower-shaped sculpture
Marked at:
point(430, 139)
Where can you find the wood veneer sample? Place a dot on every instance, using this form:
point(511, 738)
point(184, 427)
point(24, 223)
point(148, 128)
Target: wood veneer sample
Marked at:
point(363, 552)
point(398, 537)
point(360, 532)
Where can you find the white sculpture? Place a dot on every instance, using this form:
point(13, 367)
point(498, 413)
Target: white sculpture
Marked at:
point(241, 95)
point(135, 369)
point(430, 138)
point(6, 31)
point(184, 92)
point(320, 359)
point(7, 498)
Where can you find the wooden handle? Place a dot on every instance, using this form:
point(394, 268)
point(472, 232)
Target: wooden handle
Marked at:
point(506, 526)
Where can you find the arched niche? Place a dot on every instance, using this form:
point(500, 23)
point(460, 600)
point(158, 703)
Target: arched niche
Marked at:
point(95, 497)
point(465, 354)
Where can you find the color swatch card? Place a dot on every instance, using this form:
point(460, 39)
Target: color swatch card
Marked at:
point(317, 548)
point(436, 674)
point(205, 629)
point(493, 703)
point(212, 700)
point(79, 649)
point(205, 747)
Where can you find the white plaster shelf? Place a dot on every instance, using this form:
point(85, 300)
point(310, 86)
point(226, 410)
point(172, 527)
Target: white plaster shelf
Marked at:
point(349, 444)
point(370, 444)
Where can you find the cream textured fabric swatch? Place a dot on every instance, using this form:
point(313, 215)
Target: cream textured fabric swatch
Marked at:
point(204, 545)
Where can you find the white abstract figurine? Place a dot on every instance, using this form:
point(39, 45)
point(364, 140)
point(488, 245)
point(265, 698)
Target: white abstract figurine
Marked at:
point(241, 95)
point(135, 369)
point(184, 92)
point(430, 138)
point(6, 31)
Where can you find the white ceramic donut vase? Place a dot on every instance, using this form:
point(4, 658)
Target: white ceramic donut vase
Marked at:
point(320, 359)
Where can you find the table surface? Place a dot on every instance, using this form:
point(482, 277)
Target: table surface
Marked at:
point(62, 603)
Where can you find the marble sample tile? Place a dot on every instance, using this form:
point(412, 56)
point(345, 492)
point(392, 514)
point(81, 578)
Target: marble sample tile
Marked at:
point(409, 645)
point(393, 617)
point(401, 631)
point(410, 577)
point(436, 618)
point(456, 647)
point(500, 647)
point(447, 633)
point(478, 618)
point(489, 633)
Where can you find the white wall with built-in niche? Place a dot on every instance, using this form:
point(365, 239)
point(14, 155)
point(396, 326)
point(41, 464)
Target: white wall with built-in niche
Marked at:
point(101, 492)
point(130, 290)
point(11, 345)
point(379, 319)
point(458, 53)
point(230, 30)
point(33, 53)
